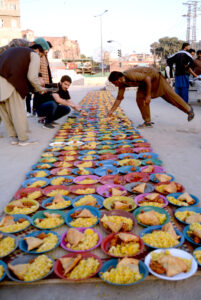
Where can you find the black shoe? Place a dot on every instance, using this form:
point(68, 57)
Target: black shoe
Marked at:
point(145, 125)
point(191, 114)
point(48, 126)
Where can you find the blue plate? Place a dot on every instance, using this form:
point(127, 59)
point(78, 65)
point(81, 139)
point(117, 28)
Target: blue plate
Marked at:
point(85, 152)
point(16, 243)
point(102, 171)
point(127, 169)
point(88, 169)
point(38, 166)
point(94, 157)
point(154, 179)
point(101, 146)
point(113, 262)
point(148, 208)
point(63, 183)
point(199, 248)
point(99, 199)
point(106, 162)
point(108, 142)
point(24, 259)
point(187, 208)
point(124, 142)
point(2, 263)
point(31, 173)
point(40, 215)
point(155, 161)
point(23, 244)
point(176, 195)
point(52, 153)
point(158, 227)
point(49, 200)
point(16, 218)
point(125, 155)
point(145, 154)
point(92, 209)
point(187, 237)
point(29, 181)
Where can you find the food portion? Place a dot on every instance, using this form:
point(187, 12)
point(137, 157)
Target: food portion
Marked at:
point(188, 216)
point(35, 269)
point(151, 199)
point(119, 203)
point(75, 268)
point(151, 218)
point(169, 188)
point(194, 232)
point(140, 188)
point(83, 218)
point(80, 241)
point(42, 242)
point(38, 174)
point(117, 223)
point(197, 254)
point(124, 244)
point(49, 220)
point(164, 238)
point(8, 224)
point(1, 271)
point(87, 200)
point(58, 202)
point(184, 199)
point(149, 169)
point(61, 180)
point(162, 177)
point(125, 272)
point(88, 180)
point(7, 245)
point(83, 171)
point(164, 263)
point(62, 192)
point(22, 207)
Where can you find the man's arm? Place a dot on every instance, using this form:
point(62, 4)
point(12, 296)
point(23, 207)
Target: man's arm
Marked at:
point(147, 81)
point(68, 102)
point(118, 100)
point(33, 71)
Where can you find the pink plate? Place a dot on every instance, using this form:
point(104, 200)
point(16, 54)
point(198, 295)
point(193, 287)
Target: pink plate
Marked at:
point(104, 190)
point(141, 197)
point(157, 169)
point(109, 179)
point(74, 189)
point(79, 179)
point(21, 193)
point(142, 149)
point(50, 189)
point(56, 170)
point(81, 229)
point(58, 269)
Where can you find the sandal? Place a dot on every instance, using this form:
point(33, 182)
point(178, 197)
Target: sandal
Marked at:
point(191, 114)
point(145, 125)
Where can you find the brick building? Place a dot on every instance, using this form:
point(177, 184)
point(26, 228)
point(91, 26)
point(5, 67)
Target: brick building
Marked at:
point(9, 21)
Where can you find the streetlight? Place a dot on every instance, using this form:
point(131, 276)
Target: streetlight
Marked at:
point(102, 67)
point(119, 52)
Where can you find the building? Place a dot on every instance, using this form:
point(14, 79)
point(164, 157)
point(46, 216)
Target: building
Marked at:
point(9, 21)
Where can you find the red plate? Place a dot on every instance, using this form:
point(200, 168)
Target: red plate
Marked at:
point(180, 188)
point(21, 193)
point(121, 213)
point(77, 163)
point(142, 149)
point(59, 164)
point(58, 269)
point(63, 158)
point(50, 189)
point(108, 156)
point(124, 150)
point(137, 176)
point(73, 189)
point(109, 179)
point(145, 145)
point(68, 152)
point(56, 170)
point(105, 245)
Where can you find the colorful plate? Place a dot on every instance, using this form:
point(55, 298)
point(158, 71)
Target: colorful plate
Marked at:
point(40, 215)
point(99, 200)
point(159, 210)
point(80, 179)
point(42, 166)
point(16, 218)
point(189, 238)
point(197, 249)
point(137, 177)
point(109, 179)
point(141, 196)
point(128, 156)
point(104, 190)
point(56, 171)
point(157, 169)
point(148, 188)
point(128, 169)
point(32, 174)
point(15, 244)
point(49, 189)
point(30, 181)
point(25, 192)
point(187, 208)
point(2, 263)
point(148, 155)
point(77, 170)
point(49, 200)
point(93, 210)
point(107, 162)
point(155, 180)
point(108, 202)
point(82, 189)
point(64, 180)
point(151, 161)
point(176, 195)
point(34, 208)
point(180, 188)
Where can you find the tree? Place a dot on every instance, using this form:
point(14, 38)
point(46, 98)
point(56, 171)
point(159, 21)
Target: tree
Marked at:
point(166, 46)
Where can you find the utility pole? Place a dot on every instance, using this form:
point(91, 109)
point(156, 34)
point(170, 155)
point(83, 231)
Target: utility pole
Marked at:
point(188, 16)
point(194, 24)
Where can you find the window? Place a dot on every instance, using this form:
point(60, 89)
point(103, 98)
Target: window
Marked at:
point(1, 23)
point(13, 6)
point(2, 5)
point(13, 23)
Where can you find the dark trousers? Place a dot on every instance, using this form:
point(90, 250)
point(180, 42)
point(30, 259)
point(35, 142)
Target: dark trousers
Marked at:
point(52, 111)
point(28, 102)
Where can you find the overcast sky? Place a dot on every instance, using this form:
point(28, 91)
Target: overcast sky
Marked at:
point(132, 24)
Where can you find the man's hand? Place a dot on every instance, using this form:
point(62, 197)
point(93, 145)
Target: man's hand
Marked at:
point(148, 100)
point(110, 114)
point(84, 113)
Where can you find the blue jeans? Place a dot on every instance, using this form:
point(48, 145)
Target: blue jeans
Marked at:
point(182, 86)
point(52, 111)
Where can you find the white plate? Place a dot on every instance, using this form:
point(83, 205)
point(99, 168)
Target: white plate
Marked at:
point(58, 144)
point(72, 143)
point(175, 252)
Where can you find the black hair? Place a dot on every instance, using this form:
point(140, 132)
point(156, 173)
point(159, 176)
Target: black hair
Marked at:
point(37, 46)
point(50, 45)
point(198, 52)
point(191, 50)
point(66, 78)
point(184, 45)
point(114, 76)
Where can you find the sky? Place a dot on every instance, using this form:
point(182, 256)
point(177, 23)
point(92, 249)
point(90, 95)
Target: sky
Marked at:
point(132, 25)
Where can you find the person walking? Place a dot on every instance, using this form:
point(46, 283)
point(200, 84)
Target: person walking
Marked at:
point(151, 84)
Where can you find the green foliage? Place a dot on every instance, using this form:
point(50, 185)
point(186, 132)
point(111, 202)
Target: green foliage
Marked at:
point(166, 46)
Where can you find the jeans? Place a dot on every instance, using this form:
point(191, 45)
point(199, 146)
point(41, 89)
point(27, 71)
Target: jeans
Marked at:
point(52, 111)
point(182, 86)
